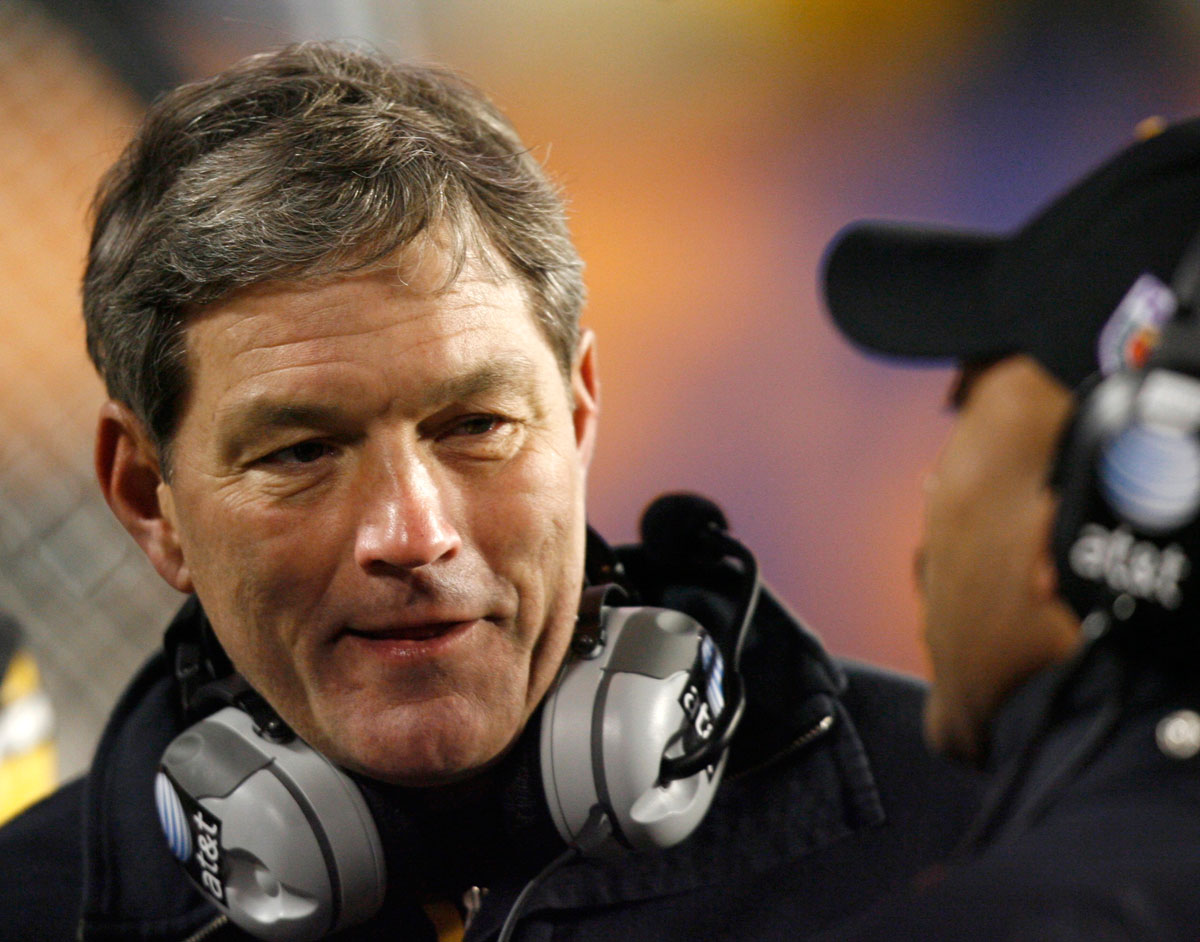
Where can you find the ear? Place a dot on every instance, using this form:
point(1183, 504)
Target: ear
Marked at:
point(585, 389)
point(131, 480)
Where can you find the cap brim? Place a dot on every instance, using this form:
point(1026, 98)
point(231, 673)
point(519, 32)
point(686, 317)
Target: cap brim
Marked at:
point(916, 292)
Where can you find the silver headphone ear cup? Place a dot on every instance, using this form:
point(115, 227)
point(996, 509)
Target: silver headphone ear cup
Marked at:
point(566, 748)
point(639, 699)
point(275, 834)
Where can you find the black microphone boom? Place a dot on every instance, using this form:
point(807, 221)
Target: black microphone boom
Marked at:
point(682, 531)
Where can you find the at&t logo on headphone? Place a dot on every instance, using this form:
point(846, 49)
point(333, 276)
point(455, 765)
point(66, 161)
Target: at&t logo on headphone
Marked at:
point(1128, 473)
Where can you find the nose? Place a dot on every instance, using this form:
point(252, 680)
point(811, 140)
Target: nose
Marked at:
point(404, 522)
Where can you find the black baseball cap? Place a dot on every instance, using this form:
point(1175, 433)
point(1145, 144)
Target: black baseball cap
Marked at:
point(1046, 289)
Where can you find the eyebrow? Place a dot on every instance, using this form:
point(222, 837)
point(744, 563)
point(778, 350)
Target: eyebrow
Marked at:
point(964, 379)
point(514, 373)
point(960, 385)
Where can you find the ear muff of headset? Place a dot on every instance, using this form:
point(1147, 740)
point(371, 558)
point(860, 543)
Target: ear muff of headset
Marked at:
point(309, 865)
point(653, 688)
point(1129, 485)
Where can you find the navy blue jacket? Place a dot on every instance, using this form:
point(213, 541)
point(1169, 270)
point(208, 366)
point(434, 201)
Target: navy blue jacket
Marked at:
point(807, 827)
point(1091, 830)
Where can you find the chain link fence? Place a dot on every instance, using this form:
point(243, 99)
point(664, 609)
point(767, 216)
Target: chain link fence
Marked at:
point(91, 606)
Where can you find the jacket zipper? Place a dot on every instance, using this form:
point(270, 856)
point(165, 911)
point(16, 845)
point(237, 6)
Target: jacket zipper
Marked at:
point(816, 731)
point(472, 902)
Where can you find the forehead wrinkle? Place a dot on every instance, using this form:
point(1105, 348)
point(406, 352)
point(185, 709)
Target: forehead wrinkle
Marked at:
point(510, 371)
point(513, 371)
point(466, 291)
point(266, 411)
point(327, 325)
point(473, 313)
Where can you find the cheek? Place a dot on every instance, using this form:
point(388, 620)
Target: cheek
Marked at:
point(532, 511)
point(944, 539)
point(954, 492)
point(958, 568)
point(260, 568)
point(532, 535)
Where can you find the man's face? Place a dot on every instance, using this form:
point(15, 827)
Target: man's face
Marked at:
point(985, 573)
point(378, 495)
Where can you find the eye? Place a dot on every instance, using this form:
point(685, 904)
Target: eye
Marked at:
point(300, 454)
point(482, 435)
point(477, 425)
point(964, 381)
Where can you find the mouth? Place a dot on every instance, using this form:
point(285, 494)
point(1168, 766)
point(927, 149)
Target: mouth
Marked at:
point(410, 640)
point(422, 632)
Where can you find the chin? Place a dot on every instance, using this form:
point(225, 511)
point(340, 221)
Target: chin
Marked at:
point(426, 754)
point(949, 732)
point(423, 774)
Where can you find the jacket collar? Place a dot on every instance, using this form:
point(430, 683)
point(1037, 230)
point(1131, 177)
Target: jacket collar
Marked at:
point(133, 887)
point(1072, 723)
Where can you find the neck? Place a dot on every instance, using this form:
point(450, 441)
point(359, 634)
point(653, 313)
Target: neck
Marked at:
point(443, 840)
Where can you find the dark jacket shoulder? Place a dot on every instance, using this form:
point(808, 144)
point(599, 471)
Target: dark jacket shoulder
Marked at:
point(41, 867)
point(1092, 830)
point(887, 709)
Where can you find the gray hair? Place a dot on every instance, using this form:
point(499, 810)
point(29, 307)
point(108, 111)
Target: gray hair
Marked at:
point(310, 162)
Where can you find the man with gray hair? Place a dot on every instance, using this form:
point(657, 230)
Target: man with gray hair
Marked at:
point(336, 307)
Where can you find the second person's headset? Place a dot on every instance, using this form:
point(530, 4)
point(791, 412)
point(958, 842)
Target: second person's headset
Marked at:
point(1127, 536)
point(633, 743)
